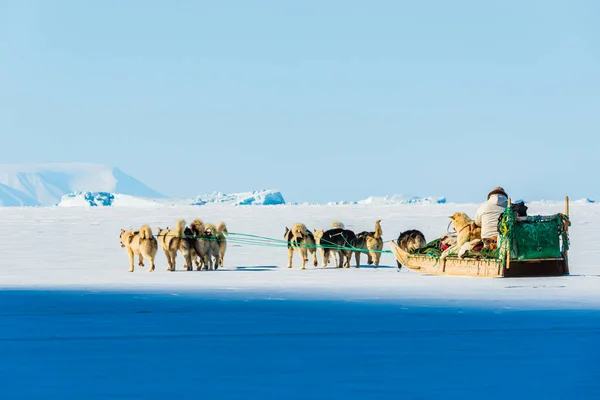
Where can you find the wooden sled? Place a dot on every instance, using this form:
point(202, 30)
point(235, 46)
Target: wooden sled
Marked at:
point(497, 267)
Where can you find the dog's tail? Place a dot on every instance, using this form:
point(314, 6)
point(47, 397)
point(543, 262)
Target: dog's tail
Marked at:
point(222, 228)
point(145, 232)
point(180, 227)
point(197, 226)
point(378, 232)
point(337, 224)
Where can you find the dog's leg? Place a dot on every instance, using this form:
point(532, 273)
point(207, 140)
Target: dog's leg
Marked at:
point(187, 256)
point(222, 249)
point(314, 254)
point(290, 256)
point(199, 250)
point(150, 258)
point(131, 256)
point(304, 255)
point(168, 257)
point(208, 259)
point(340, 258)
point(348, 257)
point(373, 255)
point(357, 256)
point(141, 260)
point(373, 259)
point(217, 258)
point(173, 259)
point(377, 257)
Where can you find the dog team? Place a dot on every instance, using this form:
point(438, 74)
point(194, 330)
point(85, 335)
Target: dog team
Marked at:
point(204, 244)
point(338, 241)
point(201, 244)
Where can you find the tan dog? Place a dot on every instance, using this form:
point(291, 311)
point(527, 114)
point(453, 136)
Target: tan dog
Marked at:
point(301, 239)
point(170, 240)
point(371, 243)
point(220, 234)
point(210, 246)
point(468, 234)
point(140, 242)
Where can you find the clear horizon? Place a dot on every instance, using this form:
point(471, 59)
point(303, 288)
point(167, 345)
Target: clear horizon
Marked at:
point(323, 101)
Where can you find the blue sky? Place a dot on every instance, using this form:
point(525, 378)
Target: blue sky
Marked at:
point(324, 100)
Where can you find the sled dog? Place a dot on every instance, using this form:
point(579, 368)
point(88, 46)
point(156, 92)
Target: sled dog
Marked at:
point(410, 240)
point(194, 245)
point(301, 239)
point(210, 246)
point(469, 234)
point(222, 241)
point(170, 240)
point(140, 242)
point(337, 241)
point(370, 243)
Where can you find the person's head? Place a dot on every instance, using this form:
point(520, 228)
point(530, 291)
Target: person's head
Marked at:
point(498, 191)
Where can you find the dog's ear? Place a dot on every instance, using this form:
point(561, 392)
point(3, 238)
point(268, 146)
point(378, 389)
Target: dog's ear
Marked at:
point(122, 230)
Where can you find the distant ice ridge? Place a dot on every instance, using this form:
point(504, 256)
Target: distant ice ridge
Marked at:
point(585, 200)
point(258, 197)
point(103, 199)
point(394, 199)
point(401, 199)
point(107, 199)
point(92, 199)
point(45, 184)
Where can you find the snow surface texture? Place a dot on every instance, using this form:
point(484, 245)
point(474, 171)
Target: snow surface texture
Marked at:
point(76, 324)
point(45, 184)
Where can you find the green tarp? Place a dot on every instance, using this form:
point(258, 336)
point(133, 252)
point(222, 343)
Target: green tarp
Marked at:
point(537, 238)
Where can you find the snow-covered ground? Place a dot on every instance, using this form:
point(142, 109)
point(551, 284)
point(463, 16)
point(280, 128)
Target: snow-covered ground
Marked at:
point(79, 248)
point(75, 324)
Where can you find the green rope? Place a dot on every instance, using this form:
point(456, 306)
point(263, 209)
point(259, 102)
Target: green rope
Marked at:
point(265, 241)
point(507, 234)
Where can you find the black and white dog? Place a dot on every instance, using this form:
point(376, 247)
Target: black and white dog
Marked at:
point(338, 240)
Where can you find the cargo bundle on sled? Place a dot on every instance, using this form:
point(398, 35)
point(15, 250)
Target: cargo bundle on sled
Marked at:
point(528, 246)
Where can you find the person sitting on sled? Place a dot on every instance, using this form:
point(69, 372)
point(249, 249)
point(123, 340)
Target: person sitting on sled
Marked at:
point(488, 214)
